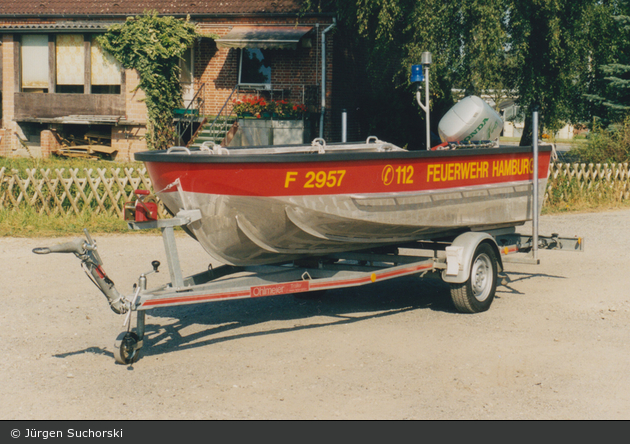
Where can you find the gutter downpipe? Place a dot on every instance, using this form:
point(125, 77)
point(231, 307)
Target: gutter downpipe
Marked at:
point(321, 117)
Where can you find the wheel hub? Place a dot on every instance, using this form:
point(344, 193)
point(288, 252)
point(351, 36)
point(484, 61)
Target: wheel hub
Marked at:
point(481, 279)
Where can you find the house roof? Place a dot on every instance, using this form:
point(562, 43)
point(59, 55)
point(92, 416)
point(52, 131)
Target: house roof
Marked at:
point(109, 8)
point(63, 25)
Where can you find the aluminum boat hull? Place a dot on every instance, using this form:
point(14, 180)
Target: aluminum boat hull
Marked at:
point(264, 206)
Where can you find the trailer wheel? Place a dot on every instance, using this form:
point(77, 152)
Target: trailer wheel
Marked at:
point(126, 349)
point(477, 293)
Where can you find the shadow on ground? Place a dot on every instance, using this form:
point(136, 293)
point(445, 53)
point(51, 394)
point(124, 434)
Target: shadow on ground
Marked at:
point(223, 321)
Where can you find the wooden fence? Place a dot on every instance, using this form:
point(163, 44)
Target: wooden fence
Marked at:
point(612, 179)
point(105, 190)
point(73, 191)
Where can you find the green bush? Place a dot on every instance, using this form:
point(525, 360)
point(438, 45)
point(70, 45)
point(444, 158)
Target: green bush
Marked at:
point(606, 145)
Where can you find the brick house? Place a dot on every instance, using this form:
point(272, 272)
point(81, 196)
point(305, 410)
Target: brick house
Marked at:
point(56, 81)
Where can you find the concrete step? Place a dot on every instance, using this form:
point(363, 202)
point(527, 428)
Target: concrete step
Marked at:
point(214, 135)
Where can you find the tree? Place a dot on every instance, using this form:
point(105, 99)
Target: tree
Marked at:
point(610, 96)
point(153, 46)
point(467, 39)
point(547, 54)
point(483, 65)
point(390, 36)
point(542, 44)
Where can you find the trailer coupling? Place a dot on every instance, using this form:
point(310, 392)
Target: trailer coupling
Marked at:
point(85, 250)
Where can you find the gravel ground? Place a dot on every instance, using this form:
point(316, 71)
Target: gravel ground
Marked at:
point(554, 344)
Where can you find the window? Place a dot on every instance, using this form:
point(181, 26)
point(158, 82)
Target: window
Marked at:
point(255, 67)
point(69, 76)
point(34, 69)
point(105, 72)
point(70, 55)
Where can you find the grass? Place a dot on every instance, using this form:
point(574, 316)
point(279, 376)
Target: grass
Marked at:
point(567, 196)
point(606, 145)
point(28, 222)
point(584, 206)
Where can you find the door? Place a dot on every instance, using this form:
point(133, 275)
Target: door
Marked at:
point(187, 79)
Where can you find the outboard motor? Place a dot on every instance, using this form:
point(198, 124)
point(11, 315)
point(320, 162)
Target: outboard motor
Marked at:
point(470, 120)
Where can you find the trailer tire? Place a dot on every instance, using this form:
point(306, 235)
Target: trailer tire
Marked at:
point(126, 349)
point(477, 293)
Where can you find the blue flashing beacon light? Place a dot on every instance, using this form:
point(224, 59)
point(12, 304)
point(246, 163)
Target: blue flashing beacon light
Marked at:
point(416, 74)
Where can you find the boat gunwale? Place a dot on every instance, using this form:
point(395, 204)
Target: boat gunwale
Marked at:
point(197, 156)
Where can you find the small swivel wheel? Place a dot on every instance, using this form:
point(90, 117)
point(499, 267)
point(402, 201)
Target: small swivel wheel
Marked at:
point(127, 348)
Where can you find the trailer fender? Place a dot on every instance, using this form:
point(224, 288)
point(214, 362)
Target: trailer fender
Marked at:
point(459, 256)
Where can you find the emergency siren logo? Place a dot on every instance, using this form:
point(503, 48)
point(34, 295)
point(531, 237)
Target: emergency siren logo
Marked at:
point(387, 176)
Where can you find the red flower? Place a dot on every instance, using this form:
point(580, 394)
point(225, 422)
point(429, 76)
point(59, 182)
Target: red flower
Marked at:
point(258, 105)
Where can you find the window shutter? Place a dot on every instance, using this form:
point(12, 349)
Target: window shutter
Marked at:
point(34, 50)
point(105, 70)
point(70, 59)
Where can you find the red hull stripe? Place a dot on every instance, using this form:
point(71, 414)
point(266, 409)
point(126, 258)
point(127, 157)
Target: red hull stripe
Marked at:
point(396, 175)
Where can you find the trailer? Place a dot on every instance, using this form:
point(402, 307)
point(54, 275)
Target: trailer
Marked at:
point(470, 263)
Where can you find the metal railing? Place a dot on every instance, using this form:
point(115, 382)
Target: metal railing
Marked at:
point(185, 122)
point(221, 121)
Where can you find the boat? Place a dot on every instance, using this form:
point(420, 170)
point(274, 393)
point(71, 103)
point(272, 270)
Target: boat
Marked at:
point(268, 204)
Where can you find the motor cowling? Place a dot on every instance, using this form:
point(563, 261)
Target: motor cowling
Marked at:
point(470, 120)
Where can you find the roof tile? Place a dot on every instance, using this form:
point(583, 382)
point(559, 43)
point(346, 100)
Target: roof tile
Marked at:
point(68, 8)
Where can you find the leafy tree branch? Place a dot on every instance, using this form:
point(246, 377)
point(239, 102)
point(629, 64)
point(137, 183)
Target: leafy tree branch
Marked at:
point(153, 45)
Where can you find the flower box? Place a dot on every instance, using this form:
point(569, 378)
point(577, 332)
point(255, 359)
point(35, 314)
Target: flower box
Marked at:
point(261, 109)
point(260, 132)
